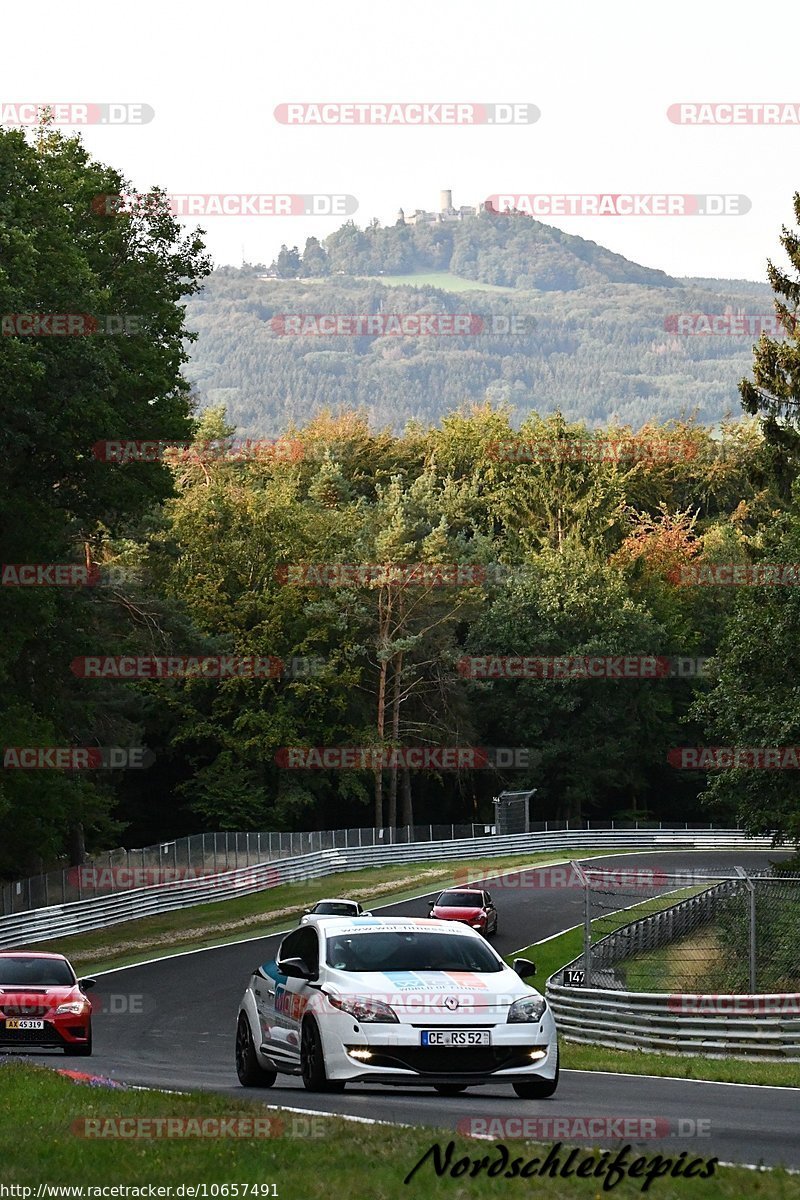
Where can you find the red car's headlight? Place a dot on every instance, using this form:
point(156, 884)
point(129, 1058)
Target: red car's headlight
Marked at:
point(74, 1006)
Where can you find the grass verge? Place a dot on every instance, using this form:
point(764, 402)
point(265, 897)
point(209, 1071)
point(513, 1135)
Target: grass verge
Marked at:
point(338, 1158)
point(438, 279)
point(557, 951)
point(578, 1057)
point(272, 910)
point(549, 956)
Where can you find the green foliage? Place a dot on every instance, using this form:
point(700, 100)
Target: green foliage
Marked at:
point(59, 503)
point(597, 353)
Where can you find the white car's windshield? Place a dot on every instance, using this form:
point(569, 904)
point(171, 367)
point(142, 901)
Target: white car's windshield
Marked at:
point(334, 908)
point(412, 951)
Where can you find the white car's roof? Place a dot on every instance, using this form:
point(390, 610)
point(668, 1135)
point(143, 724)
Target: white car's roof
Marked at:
point(336, 900)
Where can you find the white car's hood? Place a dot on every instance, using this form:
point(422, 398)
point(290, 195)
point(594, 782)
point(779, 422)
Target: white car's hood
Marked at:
point(430, 991)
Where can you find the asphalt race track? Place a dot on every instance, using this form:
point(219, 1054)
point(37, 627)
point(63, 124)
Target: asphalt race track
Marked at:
point(182, 1038)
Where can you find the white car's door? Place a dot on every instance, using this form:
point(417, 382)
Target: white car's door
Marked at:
point(292, 996)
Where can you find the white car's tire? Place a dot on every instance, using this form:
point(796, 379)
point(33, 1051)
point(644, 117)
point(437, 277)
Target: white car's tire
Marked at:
point(312, 1060)
point(537, 1089)
point(248, 1068)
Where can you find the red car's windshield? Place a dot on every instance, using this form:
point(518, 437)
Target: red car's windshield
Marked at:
point(36, 972)
point(460, 900)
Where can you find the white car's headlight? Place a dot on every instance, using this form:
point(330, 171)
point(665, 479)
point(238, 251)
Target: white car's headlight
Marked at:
point(74, 1006)
point(529, 1008)
point(365, 1009)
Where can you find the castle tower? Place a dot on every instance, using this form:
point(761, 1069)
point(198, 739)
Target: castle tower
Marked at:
point(401, 217)
point(445, 201)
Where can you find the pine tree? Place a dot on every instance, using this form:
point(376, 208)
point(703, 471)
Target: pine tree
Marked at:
point(775, 394)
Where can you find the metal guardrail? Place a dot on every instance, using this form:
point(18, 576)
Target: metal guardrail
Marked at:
point(718, 1026)
point(206, 853)
point(63, 920)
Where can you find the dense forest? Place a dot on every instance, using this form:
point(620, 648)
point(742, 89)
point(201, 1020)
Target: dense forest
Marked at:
point(506, 251)
point(572, 539)
point(566, 325)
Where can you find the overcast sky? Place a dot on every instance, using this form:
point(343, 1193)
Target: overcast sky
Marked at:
point(603, 77)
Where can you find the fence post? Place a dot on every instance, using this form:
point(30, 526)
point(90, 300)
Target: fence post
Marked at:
point(752, 937)
point(587, 924)
point(751, 888)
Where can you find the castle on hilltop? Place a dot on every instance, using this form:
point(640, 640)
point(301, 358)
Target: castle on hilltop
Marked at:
point(445, 214)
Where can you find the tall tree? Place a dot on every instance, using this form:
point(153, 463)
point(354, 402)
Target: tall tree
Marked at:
point(61, 252)
point(774, 392)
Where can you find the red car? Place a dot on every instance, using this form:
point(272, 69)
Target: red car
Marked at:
point(470, 906)
point(42, 1003)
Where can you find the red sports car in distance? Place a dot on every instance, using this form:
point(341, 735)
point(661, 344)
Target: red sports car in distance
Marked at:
point(42, 1003)
point(470, 906)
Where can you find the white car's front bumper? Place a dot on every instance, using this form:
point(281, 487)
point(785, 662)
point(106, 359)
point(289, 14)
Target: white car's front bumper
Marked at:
point(396, 1055)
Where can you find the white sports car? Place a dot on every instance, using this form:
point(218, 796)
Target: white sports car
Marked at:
point(398, 1001)
point(333, 908)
